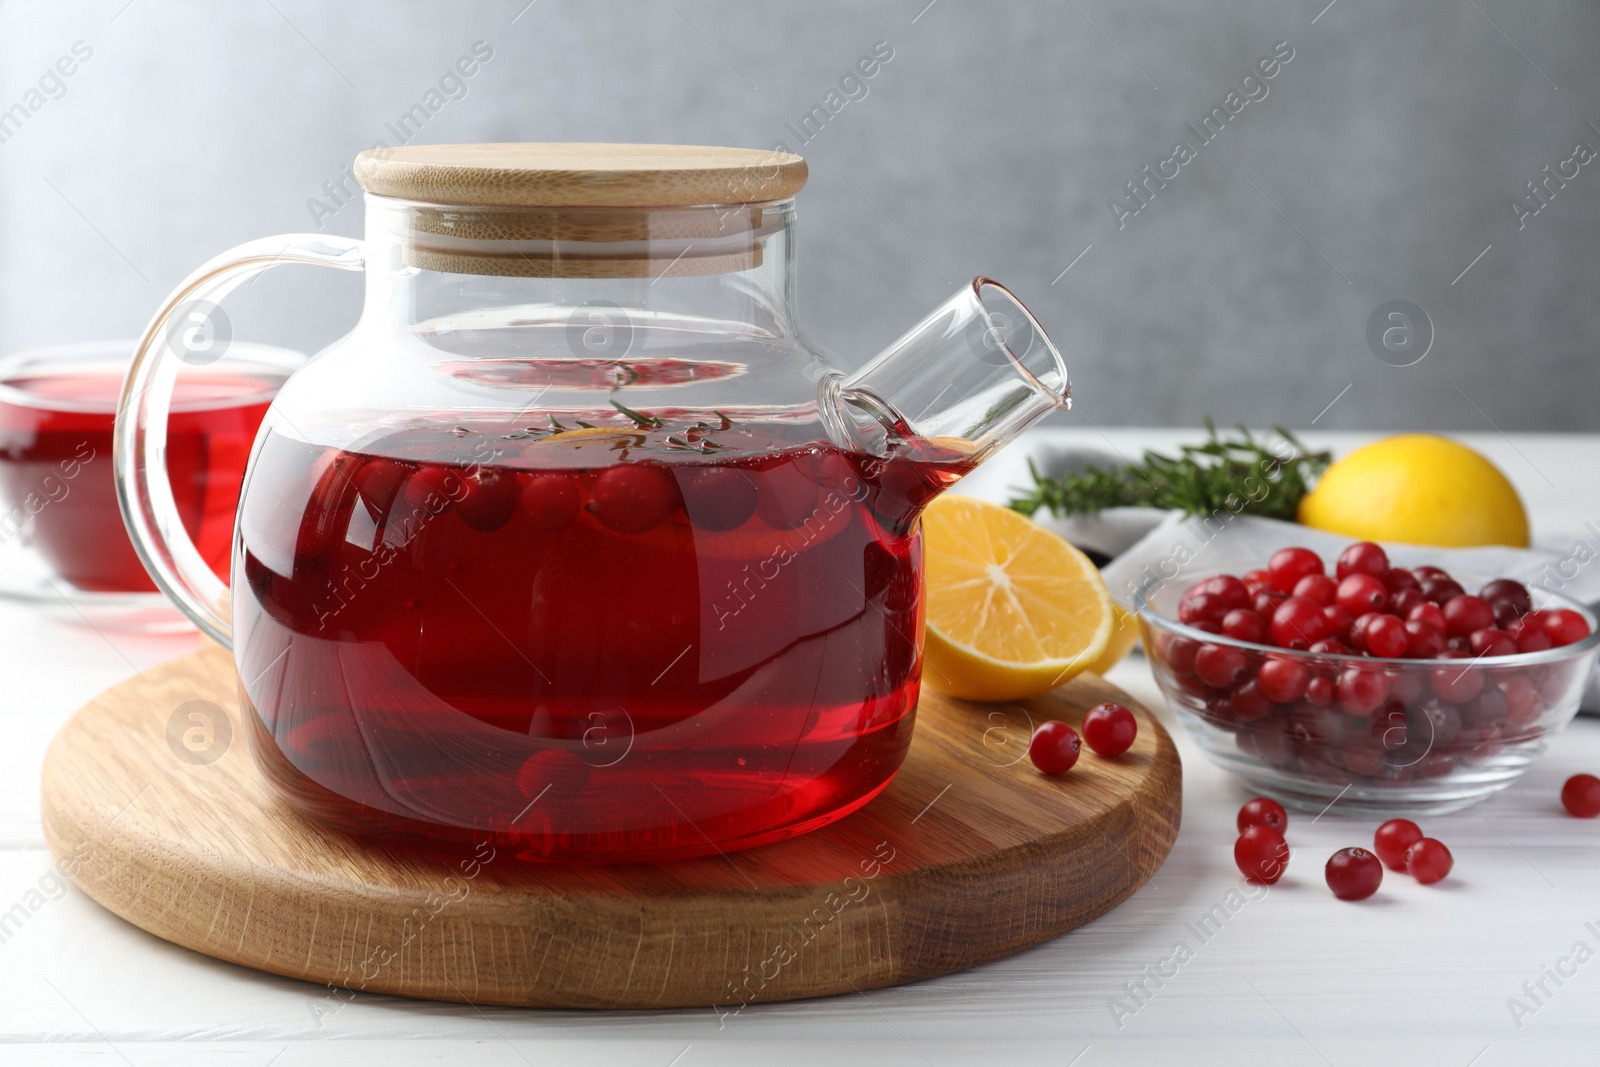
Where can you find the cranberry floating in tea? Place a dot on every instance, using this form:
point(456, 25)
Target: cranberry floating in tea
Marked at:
point(576, 544)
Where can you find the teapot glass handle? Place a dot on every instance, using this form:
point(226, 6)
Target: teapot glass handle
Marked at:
point(140, 443)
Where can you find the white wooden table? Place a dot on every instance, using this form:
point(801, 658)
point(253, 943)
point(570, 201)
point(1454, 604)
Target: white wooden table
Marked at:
point(1414, 975)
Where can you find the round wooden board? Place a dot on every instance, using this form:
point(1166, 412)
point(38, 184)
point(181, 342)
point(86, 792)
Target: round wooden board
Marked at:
point(969, 855)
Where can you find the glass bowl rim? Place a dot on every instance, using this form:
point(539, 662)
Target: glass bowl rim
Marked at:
point(1146, 611)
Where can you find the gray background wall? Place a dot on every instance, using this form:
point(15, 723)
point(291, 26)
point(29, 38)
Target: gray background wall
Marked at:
point(1382, 159)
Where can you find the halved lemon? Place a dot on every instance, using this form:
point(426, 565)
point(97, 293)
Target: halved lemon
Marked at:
point(1124, 635)
point(1013, 610)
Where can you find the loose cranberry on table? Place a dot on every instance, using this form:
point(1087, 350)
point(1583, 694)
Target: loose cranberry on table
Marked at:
point(1109, 729)
point(1581, 795)
point(1392, 840)
point(1263, 811)
point(1353, 874)
point(1054, 747)
point(1429, 861)
point(1261, 854)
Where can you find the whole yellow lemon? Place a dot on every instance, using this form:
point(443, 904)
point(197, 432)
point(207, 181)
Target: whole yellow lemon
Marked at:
point(1420, 489)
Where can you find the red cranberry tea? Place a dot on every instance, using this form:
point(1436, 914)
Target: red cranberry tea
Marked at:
point(55, 466)
point(537, 636)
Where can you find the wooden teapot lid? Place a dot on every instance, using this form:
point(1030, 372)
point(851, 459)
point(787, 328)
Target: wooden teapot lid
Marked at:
point(582, 210)
point(580, 175)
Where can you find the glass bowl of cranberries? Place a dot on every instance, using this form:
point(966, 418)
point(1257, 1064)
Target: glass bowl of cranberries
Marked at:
point(1388, 688)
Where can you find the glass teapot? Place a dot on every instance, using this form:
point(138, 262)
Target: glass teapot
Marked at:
point(575, 543)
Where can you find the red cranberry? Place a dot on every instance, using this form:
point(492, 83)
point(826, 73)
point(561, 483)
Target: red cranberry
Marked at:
point(1054, 747)
point(1320, 691)
point(1249, 704)
point(1454, 681)
point(633, 497)
point(1242, 624)
point(1429, 861)
point(1109, 729)
point(1438, 723)
point(1400, 580)
point(1505, 614)
point(1220, 665)
point(1407, 686)
point(1298, 623)
point(1288, 565)
point(1263, 811)
point(1266, 604)
point(1361, 593)
point(1261, 854)
point(1564, 626)
point(1505, 591)
point(1440, 590)
point(1464, 614)
point(1523, 703)
point(1180, 653)
point(1491, 642)
point(1258, 582)
point(1428, 613)
point(1361, 760)
point(1339, 621)
point(1364, 557)
point(1426, 572)
point(1331, 646)
point(550, 501)
point(1201, 607)
point(1529, 634)
point(1581, 795)
point(433, 489)
point(1489, 706)
point(1317, 587)
point(718, 498)
point(490, 499)
point(1362, 691)
point(1406, 601)
point(1392, 840)
point(1232, 590)
point(1358, 629)
point(1423, 639)
point(1387, 637)
point(1283, 680)
point(1353, 874)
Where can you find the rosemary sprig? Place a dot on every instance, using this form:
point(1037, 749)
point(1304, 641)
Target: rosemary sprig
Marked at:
point(1236, 474)
point(641, 420)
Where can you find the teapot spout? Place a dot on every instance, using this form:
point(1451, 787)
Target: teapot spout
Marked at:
point(974, 374)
